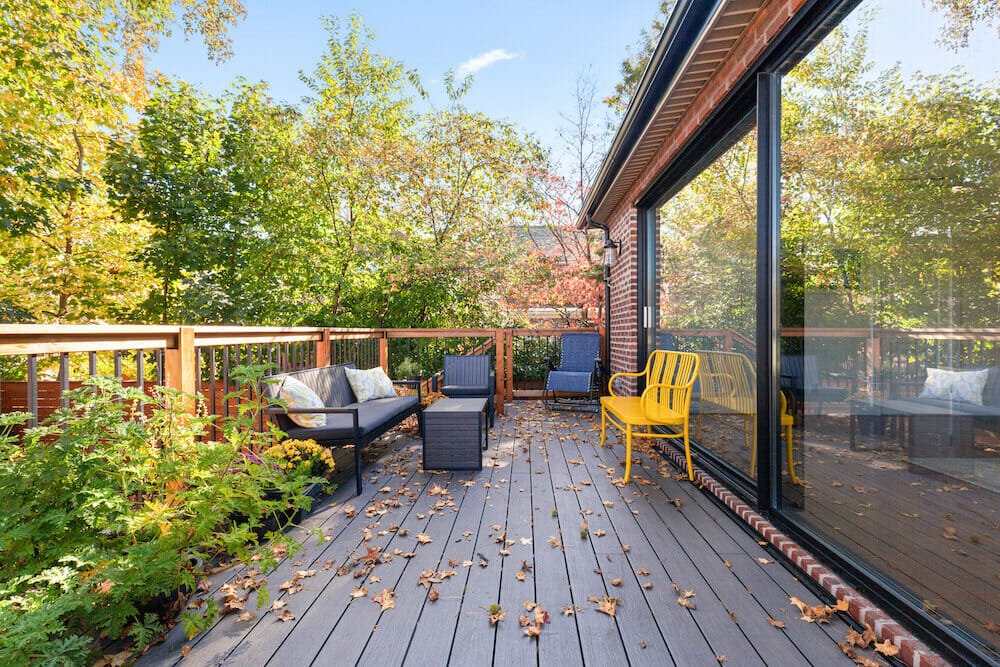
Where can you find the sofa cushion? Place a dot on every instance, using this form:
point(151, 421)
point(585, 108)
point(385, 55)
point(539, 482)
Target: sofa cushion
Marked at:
point(371, 415)
point(947, 407)
point(296, 394)
point(329, 382)
point(465, 390)
point(369, 384)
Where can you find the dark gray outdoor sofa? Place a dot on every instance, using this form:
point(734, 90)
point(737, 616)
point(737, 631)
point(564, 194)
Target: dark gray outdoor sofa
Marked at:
point(931, 427)
point(347, 421)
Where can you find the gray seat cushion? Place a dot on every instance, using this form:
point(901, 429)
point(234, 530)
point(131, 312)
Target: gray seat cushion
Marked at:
point(465, 390)
point(371, 415)
point(955, 407)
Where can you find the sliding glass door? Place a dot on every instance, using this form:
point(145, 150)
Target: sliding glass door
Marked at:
point(885, 438)
point(890, 276)
point(706, 293)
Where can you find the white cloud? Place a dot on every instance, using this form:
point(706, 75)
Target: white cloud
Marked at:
point(483, 60)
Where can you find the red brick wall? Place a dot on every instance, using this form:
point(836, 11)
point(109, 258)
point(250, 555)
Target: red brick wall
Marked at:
point(622, 223)
point(624, 294)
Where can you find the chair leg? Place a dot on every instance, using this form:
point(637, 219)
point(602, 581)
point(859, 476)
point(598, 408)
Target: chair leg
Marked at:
point(604, 425)
point(788, 449)
point(357, 467)
point(628, 451)
point(687, 453)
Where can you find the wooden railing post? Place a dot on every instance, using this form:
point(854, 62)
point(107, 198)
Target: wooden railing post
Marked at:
point(323, 349)
point(509, 354)
point(873, 354)
point(180, 365)
point(383, 351)
point(500, 347)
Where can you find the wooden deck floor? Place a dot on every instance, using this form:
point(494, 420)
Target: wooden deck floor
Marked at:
point(938, 536)
point(546, 475)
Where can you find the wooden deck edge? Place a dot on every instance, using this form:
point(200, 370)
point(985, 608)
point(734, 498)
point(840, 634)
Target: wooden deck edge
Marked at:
point(912, 651)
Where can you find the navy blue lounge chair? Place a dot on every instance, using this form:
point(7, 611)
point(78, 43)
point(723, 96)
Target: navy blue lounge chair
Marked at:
point(468, 376)
point(579, 372)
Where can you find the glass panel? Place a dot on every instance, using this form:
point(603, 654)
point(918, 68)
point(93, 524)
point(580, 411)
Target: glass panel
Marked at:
point(707, 245)
point(890, 278)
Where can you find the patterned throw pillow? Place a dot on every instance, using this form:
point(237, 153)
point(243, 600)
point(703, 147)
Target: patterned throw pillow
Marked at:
point(370, 384)
point(965, 386)
point(296, 394)
point(937, 385)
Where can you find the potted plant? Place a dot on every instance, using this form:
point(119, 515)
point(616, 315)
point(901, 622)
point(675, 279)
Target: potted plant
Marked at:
point(302, 461)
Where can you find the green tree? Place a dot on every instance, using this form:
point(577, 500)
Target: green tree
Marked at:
point(635, 61)
point(69, 70)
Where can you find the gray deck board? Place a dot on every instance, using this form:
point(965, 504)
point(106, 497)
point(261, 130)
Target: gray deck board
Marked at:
point(474, 638)
point(640, 634)
point(329, 595)
point(513, 647)
point(430, 638)
point(560, 642)
point(348, 639)
point(538, 462)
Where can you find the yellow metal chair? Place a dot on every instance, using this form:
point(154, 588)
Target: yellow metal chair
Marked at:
point(786, 426)
point(666, 401)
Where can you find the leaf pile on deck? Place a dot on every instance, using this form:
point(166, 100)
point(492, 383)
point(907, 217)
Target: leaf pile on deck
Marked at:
point(817, 613)
point(533, 624)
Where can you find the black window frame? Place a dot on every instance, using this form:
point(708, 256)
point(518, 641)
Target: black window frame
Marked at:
point(757, 96)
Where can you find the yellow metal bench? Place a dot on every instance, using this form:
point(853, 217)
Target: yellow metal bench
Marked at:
point(666, 401)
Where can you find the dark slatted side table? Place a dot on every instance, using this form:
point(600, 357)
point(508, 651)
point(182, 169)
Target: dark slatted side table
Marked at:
point(455, 434)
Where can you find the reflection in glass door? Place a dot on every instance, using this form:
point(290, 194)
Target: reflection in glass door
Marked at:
point(707, 286)
point(891, 302)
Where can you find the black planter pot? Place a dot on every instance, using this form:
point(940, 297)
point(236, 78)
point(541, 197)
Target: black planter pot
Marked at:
point(159, 604)
point(275, 520)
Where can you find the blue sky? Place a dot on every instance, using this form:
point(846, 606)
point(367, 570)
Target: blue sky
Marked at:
point(540, 47)
point(550, 41)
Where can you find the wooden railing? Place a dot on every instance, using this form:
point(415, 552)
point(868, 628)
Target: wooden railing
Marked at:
point(878, 357)
point(38, 363)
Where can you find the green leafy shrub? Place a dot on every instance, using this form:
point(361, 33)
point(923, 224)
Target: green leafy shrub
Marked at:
point(109, 505)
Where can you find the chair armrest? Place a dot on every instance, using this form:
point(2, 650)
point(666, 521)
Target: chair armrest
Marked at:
point(437, 381)
point(412, 383)
point(618, 375)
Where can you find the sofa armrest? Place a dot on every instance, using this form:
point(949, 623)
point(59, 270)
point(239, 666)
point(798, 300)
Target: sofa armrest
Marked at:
point(278, 410)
